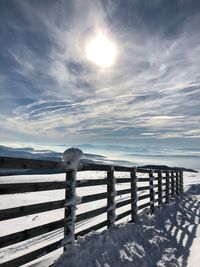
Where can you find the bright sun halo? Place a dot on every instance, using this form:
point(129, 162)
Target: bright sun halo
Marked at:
point(101, 51)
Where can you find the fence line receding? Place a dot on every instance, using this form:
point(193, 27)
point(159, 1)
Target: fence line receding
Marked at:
point(154, 186)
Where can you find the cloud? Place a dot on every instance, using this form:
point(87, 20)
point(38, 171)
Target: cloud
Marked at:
point(52, 92)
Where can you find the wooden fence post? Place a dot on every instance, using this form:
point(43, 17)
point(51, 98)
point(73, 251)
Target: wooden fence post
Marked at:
point(177, 183)
point(181, 181)
point(70, 207)
point(160, 191)
point(111, 216)
point(167, 187)
point(134, 198)
point(152, 195)
point(172, 184)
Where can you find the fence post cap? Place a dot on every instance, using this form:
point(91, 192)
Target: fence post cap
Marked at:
point(71, 158)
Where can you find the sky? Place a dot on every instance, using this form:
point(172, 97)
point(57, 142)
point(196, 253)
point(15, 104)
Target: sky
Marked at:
point(52, 94)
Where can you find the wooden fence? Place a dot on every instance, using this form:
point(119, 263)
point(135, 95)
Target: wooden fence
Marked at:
point(160, 187)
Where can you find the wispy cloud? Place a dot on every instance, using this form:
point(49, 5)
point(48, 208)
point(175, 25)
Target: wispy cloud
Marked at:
point(51, 91)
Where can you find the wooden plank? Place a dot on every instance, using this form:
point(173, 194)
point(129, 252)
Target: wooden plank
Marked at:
point(89, 198)
point(91, 182)
point(123, 203)
point(134, 195)
point(32, 255)
point(143, 197)
point(177, 183)
point(124, 214)
point(70, 210)
point(92, 228)
point(181, 182)
point(123, 180)
point(123, 192)
point(111, 199)
point(105, 167)
point(172, 184)
point(152, 196)
point(30, 187)
point(160, 191)
point(144, 206)
point(30, 233)
point(167, 188)
point(7, 214)
point(143, 180)
point(90, 214)
point(141, 188)
point(22, 163)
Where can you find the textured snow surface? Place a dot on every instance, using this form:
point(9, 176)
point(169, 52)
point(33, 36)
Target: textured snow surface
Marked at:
point(170, 237)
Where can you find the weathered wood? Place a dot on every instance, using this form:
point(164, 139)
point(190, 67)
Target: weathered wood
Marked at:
point(123, 192)
point(90, 214)
point(177, 183)
point(141, 188)
point(30, 187)
point(111, 216)
point(134, 196)
point(172, 184)
point(30, 233)
point(160, 189)
point(181, 182)
point(92, 228)
point(13, 213)
point(89, 198)
point(167, 188)
point(152, 197)
point(22, 163)
point(143, 197)
point(70, 207)
point(122, 180)
point(123, 203)
point(143, 180)
point(145, 205)
point(104, 167)
point(32, 255)
point(122, 215)
point(91, 182)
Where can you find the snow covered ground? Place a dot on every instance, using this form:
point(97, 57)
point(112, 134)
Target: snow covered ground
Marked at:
point(168, 238)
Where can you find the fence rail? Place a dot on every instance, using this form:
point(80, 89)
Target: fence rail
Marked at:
point(164, 184)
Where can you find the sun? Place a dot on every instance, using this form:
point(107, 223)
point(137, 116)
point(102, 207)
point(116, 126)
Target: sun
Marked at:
point(101, 51)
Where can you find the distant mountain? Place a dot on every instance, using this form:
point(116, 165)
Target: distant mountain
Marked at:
point(31, 153)
point(164, 167)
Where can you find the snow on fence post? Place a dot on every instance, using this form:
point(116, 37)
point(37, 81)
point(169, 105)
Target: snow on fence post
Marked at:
point(181, 181)
point(134, 197)
point(172, 184)
point(111, 207)
point(167, 187)
point(71, 158)
point(177, 183)
point(152, 195)
point(160, 192)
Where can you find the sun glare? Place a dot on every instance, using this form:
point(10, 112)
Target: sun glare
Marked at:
point(101, 51)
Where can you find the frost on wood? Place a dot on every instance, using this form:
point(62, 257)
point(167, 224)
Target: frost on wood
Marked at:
point(73, 201)
point(71, 158)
